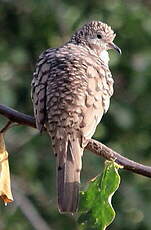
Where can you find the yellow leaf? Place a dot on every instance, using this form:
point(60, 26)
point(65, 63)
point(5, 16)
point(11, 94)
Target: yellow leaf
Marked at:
point(5, 187)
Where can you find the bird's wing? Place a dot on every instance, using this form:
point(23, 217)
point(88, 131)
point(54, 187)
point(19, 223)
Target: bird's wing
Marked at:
point(39, 86)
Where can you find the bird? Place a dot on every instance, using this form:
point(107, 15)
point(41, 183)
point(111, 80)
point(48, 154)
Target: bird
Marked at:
point(71, 90)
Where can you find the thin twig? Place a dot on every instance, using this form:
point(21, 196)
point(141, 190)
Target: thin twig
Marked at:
point(6, 127)
point(94, 146)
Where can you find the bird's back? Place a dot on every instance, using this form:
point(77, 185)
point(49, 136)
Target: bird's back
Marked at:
point(68, 85)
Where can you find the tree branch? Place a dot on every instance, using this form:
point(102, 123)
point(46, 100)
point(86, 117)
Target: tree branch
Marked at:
point(18, 117)
point(104, 151)
point(94, 146)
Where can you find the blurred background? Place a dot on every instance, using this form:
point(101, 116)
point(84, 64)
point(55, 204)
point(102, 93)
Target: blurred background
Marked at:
point(26, 29)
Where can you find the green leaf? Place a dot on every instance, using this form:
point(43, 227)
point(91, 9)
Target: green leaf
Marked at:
point(95, 203)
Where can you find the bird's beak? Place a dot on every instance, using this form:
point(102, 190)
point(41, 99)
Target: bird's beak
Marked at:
point(115, 47)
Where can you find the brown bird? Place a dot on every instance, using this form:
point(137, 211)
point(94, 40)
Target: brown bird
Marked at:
point(71, 91)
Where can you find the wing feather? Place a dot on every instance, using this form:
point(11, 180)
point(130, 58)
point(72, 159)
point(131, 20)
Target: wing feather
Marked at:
point(39, 88)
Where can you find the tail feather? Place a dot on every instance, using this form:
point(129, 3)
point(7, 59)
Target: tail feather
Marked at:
point(69, 178)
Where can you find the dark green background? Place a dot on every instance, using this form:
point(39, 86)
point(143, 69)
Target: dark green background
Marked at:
point(26, 29)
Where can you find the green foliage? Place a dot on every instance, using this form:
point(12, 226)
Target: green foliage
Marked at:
point(95, 204)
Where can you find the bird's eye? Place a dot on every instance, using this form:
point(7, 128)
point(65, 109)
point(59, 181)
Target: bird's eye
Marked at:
point(99, 36)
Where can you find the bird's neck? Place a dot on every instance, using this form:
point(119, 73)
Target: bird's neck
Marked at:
point(104, 56)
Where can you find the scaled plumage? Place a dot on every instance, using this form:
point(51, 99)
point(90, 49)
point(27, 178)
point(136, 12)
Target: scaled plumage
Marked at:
point(71, 91)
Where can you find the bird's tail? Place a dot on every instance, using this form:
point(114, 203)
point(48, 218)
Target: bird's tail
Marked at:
point(69, 176)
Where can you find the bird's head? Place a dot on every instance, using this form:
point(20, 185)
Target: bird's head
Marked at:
point(96, 35)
